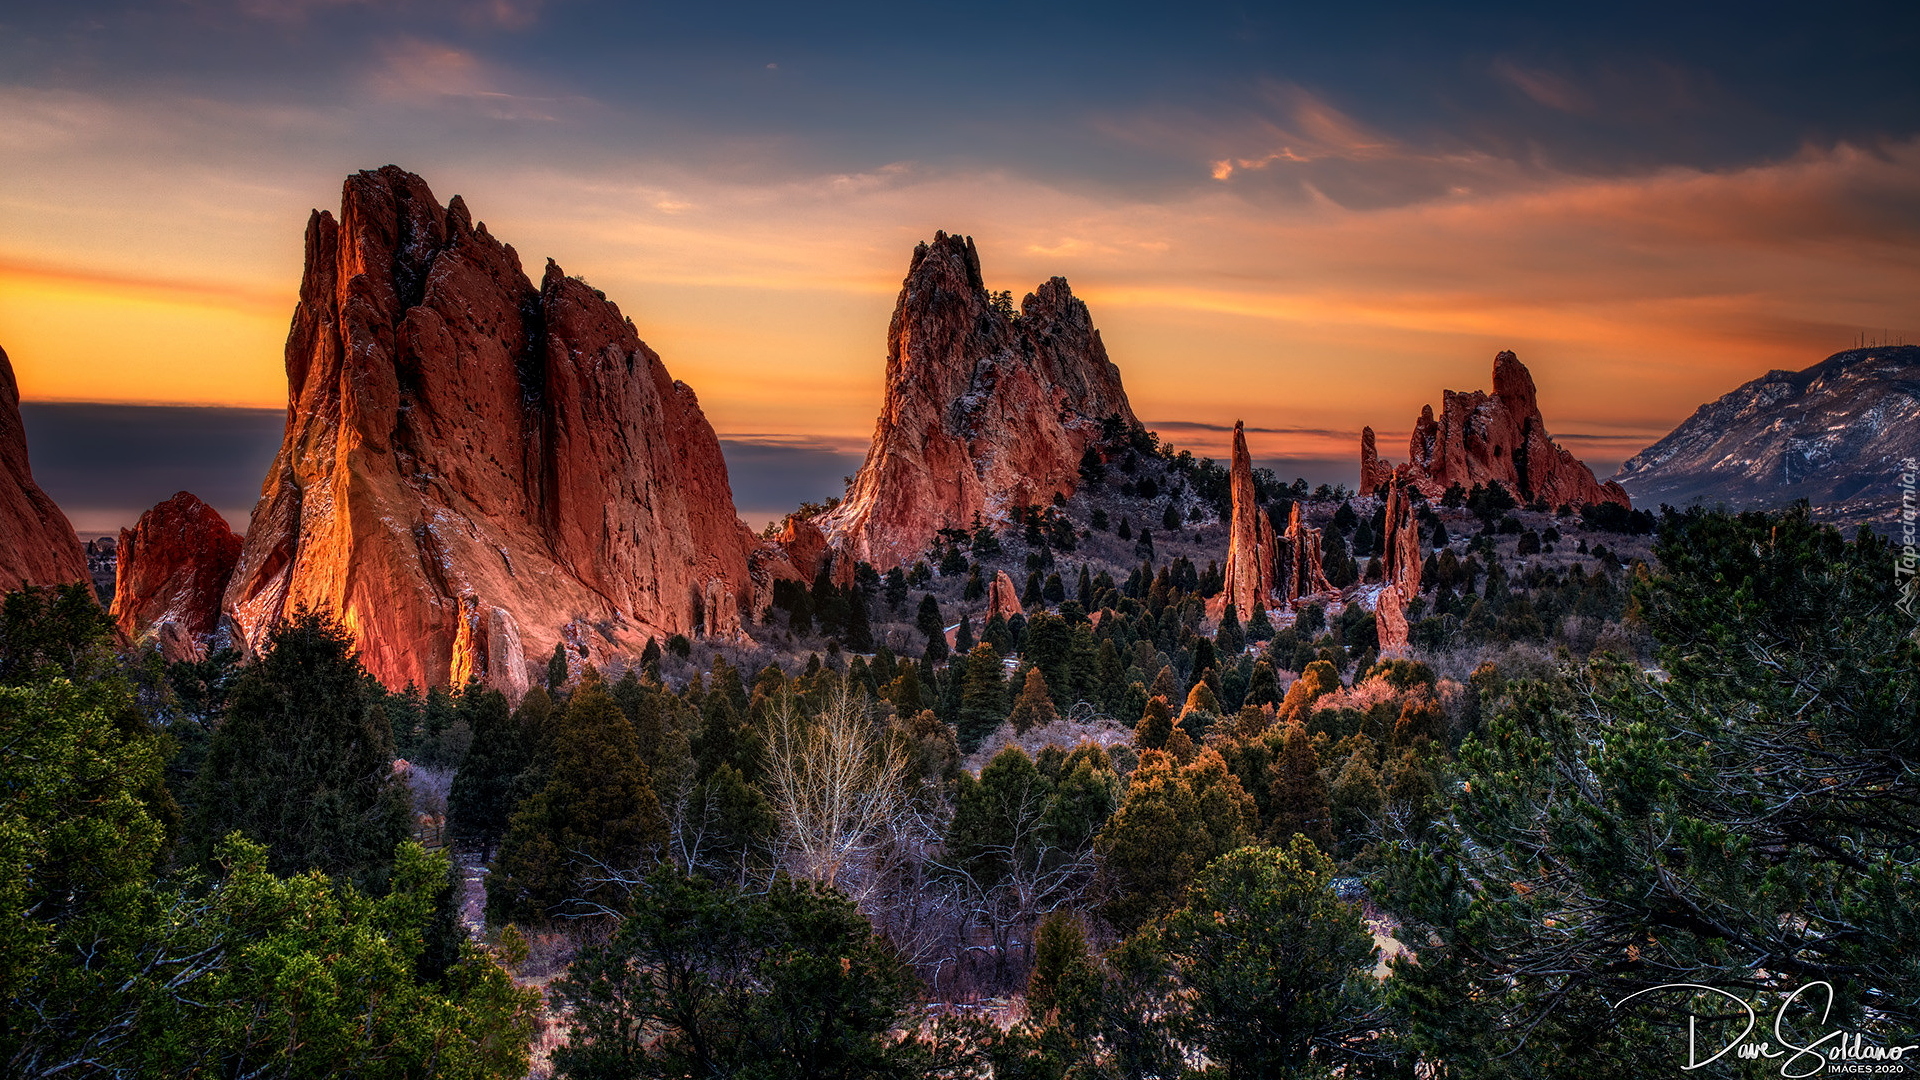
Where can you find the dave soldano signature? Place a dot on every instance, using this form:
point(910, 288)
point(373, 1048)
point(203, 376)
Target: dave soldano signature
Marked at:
point(1837, 1048)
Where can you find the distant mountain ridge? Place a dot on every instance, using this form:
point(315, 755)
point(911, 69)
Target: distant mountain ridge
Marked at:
point(1833, 434)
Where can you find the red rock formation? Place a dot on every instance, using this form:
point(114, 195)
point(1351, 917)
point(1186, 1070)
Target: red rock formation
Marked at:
point(984, 410)
point(37, 543)
point(1003, 598)
point(173, 567)
point(1373, 471)
point(1400, 565)
point(1480, 438)
point(804, 545)
point(1302, 572)
point(1250, 547)
point(474, 468)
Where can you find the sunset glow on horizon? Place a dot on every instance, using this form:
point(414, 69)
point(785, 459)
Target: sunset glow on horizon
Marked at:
point(1280, 242)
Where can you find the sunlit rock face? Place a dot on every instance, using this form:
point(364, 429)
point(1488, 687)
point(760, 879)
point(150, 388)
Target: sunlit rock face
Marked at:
point(475, 468)
point(1250, 539)
point(37, 543)
point(1400, 566)
point(985, 408)
point(1480, 438)
point(173, 568)
point(1003, 597)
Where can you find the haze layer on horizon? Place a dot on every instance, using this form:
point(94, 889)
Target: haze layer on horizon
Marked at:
point(1309, 218)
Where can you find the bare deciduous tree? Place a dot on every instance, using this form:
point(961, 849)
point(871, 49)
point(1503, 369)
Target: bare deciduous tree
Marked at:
point(835, 784)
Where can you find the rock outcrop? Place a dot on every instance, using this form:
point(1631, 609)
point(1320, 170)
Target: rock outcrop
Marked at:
point(475, 468)
point(1400, 569)
point(37, 543)
point(1373, 471)
point(985, 409)
point(1003, 597)
point(1302, 570)
point(1835, 434)
point(173, 568)
point(1250, 546)
point(1481, 438)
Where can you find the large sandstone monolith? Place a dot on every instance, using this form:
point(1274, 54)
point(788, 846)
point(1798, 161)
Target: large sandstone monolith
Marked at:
point(1482, 438)
point(1400, 565)
point(1302, 571)
point(1250, 540)
point(986, 409)
point(476, 468)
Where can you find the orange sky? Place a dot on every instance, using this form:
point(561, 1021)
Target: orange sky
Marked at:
point(1633, 301)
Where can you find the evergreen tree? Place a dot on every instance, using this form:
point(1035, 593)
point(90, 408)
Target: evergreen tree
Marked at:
point(1034, 706)
point(557, 669)
point(1159, 838)
point(705, 980)
point(1320, 679)
point(1355, 800)
point(1155, 725)
point(1048, 645)
point(1230, 640)
point(929, 621)
point(983, 697)
point(727, 828)
point(1276, 965)
point(485, 790)
point(1299, 795)
point(597, 818)
point(303, 763)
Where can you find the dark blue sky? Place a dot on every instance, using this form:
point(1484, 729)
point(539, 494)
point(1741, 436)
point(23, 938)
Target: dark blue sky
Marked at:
point(1598, 89)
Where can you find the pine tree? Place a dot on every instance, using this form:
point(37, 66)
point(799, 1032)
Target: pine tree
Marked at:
point(1034, 706)
point(1155, 725)
point(484, 791)
point(1299, 796)
point(728, 826)
point(557, 669)
point(1319, 680)
point(303, 763)
point(929, 620)
point(596, 818)
point(1161, 835)
point(1356, 800)
point(1230, 640)
point(1275, 965)
point(983, 697)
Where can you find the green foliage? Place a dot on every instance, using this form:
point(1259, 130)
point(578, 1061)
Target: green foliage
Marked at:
point(303, 763)
point(703, 980)
point(1033, 707)
point(1172, 822)
point(487, 787)
point(52, 630)
point(78, 840)
point(1277, 966)
point(1747, 823)
point(983, 697)
point(594, 825)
